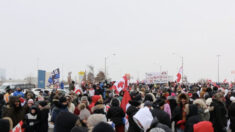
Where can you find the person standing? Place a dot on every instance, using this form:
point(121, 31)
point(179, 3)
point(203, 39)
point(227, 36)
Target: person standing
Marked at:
point(218, 115)
point(232, 112)
point(15, 111)
point(179, 114)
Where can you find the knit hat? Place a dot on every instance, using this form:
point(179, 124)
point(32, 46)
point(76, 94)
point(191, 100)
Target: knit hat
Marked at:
point(148, 103)
point(103, 127)
point(30, 101)
point(43, 103)
point(63, 99)
point(84, 98)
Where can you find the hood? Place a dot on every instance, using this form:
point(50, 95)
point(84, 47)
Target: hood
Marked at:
point(98, 109)
point(232, 99)
point(193, 110)
point(201, 103)
point(145, 114)
point(115, 102)
point(95, 98)
point(12, 101)
point(204, 126)
point(182, 95)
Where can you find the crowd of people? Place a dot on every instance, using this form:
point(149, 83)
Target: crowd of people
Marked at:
point(139, 108)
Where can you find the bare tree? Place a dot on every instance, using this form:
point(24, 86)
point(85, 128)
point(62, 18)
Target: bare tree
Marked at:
point(100, 76)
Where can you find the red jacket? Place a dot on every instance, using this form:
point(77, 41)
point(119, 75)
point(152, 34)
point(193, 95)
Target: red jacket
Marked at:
point(204, 126)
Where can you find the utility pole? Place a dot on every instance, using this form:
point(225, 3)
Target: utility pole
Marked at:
point(218, 67)
point(182, 69)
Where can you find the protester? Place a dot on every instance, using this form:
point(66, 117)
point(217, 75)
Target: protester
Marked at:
point(192, 117)
point(116, 114)
point(31, 122)
point(18, 92)
point(65, 122)
point(179, 115)
point(60, 107)
point(103, 127)
point(71, 106)
point(132, 110)
point(15, 111)
point(84, 112)
point(232, 112)
point(43, 116)
point(218, 115)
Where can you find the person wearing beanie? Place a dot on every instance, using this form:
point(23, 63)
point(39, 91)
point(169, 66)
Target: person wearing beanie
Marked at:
point(62, 106)
point(44, 109)
point(116, 114)
point(232, 112)
point(103, 127)
point(28, 105)
point(65, 122)
point(192, 117)
point(159, 113)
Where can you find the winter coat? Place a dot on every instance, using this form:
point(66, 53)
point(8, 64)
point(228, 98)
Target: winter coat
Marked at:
point(18, 93)
point(156, 126)
point(203, 126)
point(43, 116)
point(232, 114)
point(162, 117)
point(65, 122)
point(192, 118)
point(56, 111)
point(31, 123)
point(203, 111)
point(16, 114)
point(167, 109)
point(99, 91)
point(143, 118)
point(131, 111)
point(115, 113)
point(218, 116)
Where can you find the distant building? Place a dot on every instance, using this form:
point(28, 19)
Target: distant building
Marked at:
point(2, 74)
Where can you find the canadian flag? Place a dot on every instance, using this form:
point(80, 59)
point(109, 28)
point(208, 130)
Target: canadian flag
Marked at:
point(77, 90)
point(120, 85)
point(179, 75)
point(18, 127)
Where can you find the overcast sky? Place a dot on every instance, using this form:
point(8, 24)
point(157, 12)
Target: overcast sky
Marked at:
point(143, 34)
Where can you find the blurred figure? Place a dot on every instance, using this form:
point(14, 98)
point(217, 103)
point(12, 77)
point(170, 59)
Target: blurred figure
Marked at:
point(218, 114)
point(18, 92)
point(31, 122)
point(15, 111)
point(43, 116)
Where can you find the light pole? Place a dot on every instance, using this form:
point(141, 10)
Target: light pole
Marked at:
point(218, 56)
point(105, 65)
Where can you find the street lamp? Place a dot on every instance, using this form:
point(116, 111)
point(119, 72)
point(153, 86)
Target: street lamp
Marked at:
point(105, 64)
point(218, 56)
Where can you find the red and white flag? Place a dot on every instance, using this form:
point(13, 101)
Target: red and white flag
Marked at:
point(18, 127)
point(77, 90)
point(120, 85)
point(179, 75)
